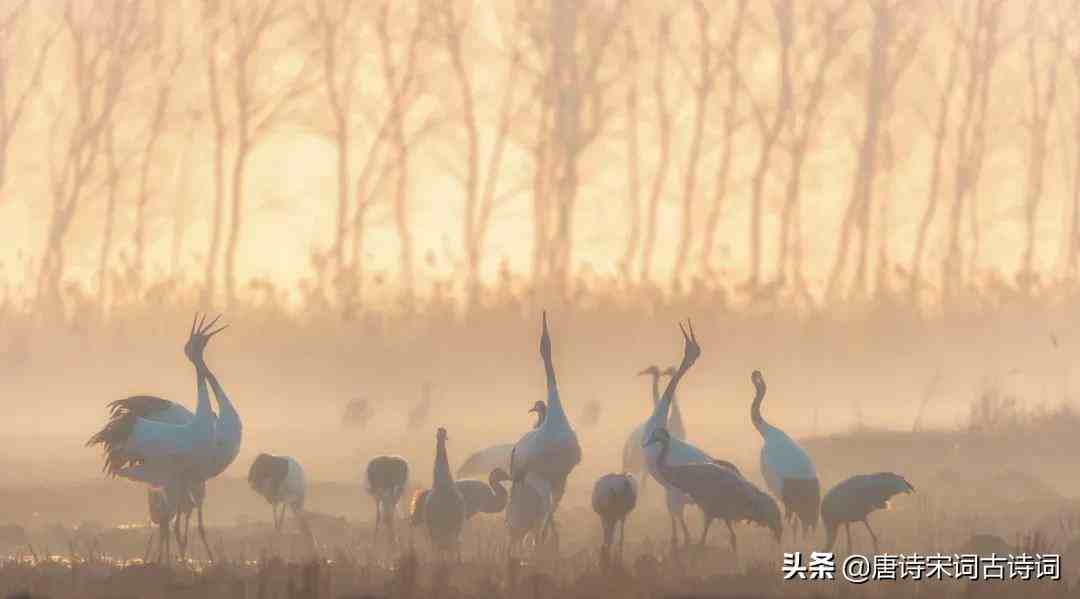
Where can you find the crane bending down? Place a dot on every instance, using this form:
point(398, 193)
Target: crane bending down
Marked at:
point(159, 442)
point(721, 493)
point(614, 497)
point(480, 497)
point(786, 467)
point(387, 476)
point(681, 452)
point(281, 482)
point(854, 499)
point(444, 506)
point(496, 456)
point(550, 451)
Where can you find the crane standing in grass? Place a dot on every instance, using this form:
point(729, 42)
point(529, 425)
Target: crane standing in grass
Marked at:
point(159, 442)
point(527, 510)
point(721, 493)
point(854, 499)
point(480, 497)
point(786, 467)
point(614, 497)
point(387, 476)
point(551, 451)
point(681, 452)
point(443, 507)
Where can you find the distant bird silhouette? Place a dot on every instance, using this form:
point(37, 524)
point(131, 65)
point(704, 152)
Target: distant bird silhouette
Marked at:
point(358, 413)
point(280, 480)
point(786, 466)
point(418, 415)
point(386, 479)
point(497, 456)
point(590, 414)
point(721, 493)
point(443, 506)
point(614, 497)
point(854, 499)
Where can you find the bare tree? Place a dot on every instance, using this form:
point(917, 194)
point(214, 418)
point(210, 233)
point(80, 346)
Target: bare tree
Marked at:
point(1072, 240)
point(664, 122)
point(893, 43)
point(402, 82)
point(14, 94)
point(769, 129)
point(1043, 96)
point(733, 122)
point(944, 93)
point(166, 54)
point(480, 195)
point(703, 84)
point(829, 35)
point(979, 30)
point(575, 39)
point(104, 40)
point(333, 25)
point(633, 152)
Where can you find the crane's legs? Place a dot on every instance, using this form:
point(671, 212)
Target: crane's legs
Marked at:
point(378, 518)
point(872, 535)
point(149, 545)
point(685, 529)
point(202, 535)
point(305, 527)
point(705, 532)
point(734, 543)
point(622, 536)
point(674, 533)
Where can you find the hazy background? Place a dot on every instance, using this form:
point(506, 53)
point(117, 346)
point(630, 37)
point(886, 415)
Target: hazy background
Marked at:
point(875, 203)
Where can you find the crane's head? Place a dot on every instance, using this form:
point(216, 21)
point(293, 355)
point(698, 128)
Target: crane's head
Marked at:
point(440, 434)
point(651, 370)
point(758, 380)
point(540, 409)
point(691, 349)
point(660, 435)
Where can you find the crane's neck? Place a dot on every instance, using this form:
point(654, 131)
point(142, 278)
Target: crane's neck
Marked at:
point(204, 415)
point(655, 388)
point(555, 415)
point(442, 477)
point(755, 412)
point(229, 422)
point(675, 421)
point(501, 496)
point(662, 466)
point(663, 408)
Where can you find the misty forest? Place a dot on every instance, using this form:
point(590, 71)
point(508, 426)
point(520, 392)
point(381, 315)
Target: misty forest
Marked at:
point(870, 208)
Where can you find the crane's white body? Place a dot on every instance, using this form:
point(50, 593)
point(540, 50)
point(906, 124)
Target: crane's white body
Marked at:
point(783, 458)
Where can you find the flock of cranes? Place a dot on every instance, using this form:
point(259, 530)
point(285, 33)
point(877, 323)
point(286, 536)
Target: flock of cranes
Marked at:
point(174, 452)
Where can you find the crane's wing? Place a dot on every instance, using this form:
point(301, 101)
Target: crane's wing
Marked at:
point(152, 408)
point(485, 460)
point(153, 440)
